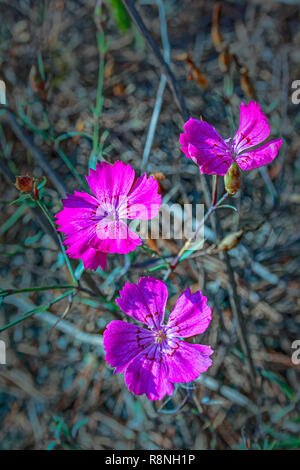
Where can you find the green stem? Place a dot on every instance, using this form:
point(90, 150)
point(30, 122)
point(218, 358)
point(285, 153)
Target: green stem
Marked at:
point(7, 292)
point(188, 243)
point(70, 166)
point(35, 310)
point(155, 253)
point(99, 99)
point(215, 190)
point(71, 134)
point(66, 258)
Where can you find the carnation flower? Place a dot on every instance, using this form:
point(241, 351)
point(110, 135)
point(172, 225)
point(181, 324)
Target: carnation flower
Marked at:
point(155, 358)
point(202, 144)
point(96, 225)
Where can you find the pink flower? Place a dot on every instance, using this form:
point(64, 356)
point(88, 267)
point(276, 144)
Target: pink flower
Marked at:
point(96, 225)
point(202, 144)
point(155, 358)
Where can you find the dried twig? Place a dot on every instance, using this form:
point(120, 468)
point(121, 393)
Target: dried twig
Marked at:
point(130, 5)
point(63, 325)
point(232, 288)
point(11, 120)
point(161, 86)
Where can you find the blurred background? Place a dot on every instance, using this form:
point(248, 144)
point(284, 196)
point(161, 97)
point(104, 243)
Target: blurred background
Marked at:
point(82, 86)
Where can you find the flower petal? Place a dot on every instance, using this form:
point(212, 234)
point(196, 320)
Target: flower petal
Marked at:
point(148, 373)
point(111, 182)
point(254, 128)
point(205, 146)
point(190, 316)
point(79, 241)
point(144, 201)
point(115, 237)
point(77, 213)
point(80, 199)
point(144, 301)
point(92, 259)
point(79, 248)
point(123, 341)
point(251, 159)
point(187, 361)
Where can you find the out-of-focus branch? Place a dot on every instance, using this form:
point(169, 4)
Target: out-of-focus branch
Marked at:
point(188, 243)
point(61, 324)
point(161, 86)
point(10, 118)
point(130, 5)
point(231, 286)
point(237, 313)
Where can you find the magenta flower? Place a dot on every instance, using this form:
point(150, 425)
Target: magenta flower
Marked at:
point(202, 144)
point(155, 358)
point(96, 225)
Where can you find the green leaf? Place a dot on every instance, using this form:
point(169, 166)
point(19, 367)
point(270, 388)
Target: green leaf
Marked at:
point(79, 425)
point(120, 14)
point(70, 134)
point(284, 387)
point(79, 270)
point(191, 250)
point(51, 445)
point(34, 238)
point(20, 199)
point(227, 206)
point(157, 268)
point(13, 219)
point(289, 443)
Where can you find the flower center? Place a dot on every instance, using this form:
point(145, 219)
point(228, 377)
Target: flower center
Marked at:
point(109, 213)
point(160, 336)
point(231, 148)
point(112, 215)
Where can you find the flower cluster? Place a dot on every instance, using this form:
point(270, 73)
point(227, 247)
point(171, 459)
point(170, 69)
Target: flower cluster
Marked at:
point(156, 357)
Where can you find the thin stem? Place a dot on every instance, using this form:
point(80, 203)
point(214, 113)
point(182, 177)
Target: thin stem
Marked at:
point(129, 4)
point(215, 190)
point(70, 165)
point(27, 141)
point(32, 312)
point(233, 294)
point(188, 243)
point(7, 292)
point(161, 87)
point(99, 100)
point(66, 258)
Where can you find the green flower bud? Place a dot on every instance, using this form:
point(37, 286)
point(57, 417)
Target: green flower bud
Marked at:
point(233, 179)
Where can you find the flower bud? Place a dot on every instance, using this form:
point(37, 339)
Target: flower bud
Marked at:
point(233, 179)
point(35, 193)
point(36, 82)
point(246, 84)
point(225, 60)
point(24, 183)
point(231, 241)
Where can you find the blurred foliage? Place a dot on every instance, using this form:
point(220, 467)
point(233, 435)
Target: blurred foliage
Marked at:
point(120, 14)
